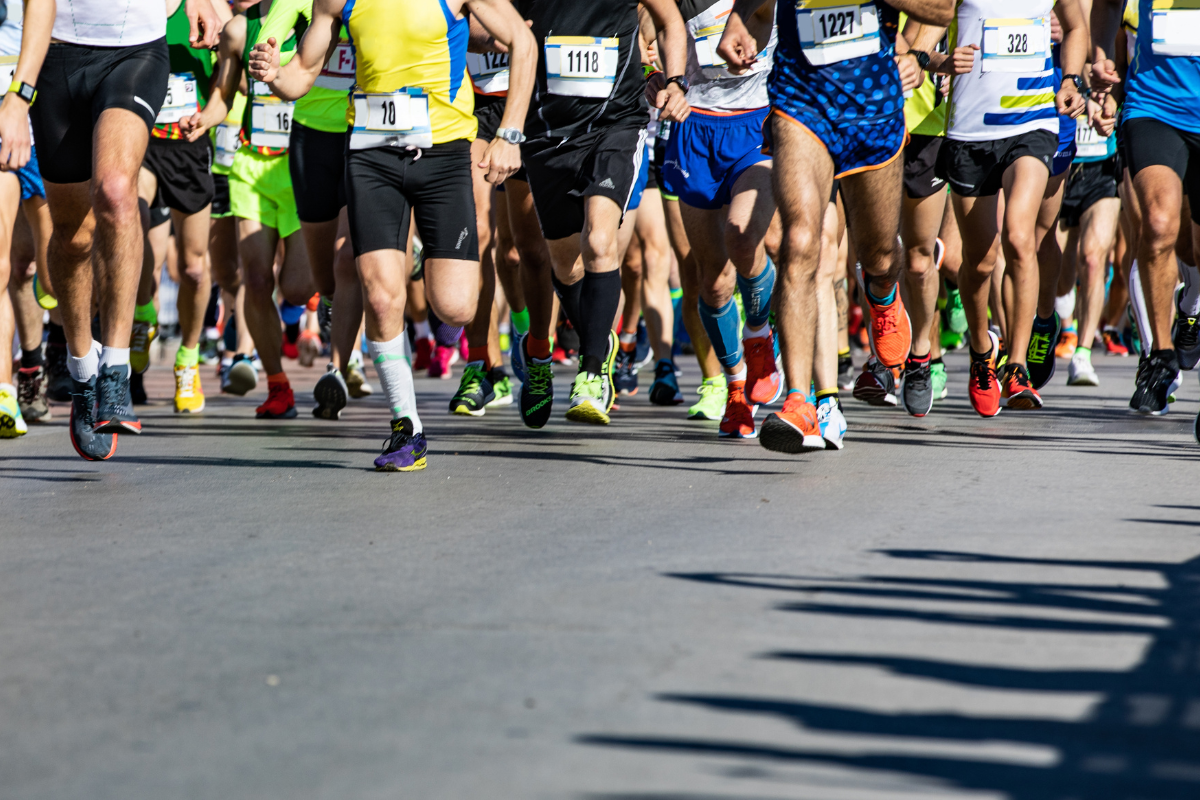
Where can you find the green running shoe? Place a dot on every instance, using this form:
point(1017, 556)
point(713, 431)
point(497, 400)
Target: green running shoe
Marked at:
point(714, 394)
point(952, 341)
point(12, 424)
point(474, 392)
point(937, 373)
point(587, 400)
point(956, 315)
point(502, 386)
point(537, 390)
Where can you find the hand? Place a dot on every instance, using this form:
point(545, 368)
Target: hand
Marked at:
point(672, 104)
point(655, 84)
point(500, 161)
point(1056, 31)
point(1104, 76)
point(264, 61)
point(911, 74)
point(1069, 101)
point(14, 132)
point(194, 127)
point(737, 47)
point(963, 59)
point(1103, 116)
point(204, 24)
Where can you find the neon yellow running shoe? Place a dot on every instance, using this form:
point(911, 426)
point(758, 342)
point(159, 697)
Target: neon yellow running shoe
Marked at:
point(587, 400)
point(12, 424)
point(44, 298)
point(714, 394)
point(139, 345)
point(189, 397)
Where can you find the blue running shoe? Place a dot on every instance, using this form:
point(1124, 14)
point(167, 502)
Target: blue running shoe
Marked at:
point(516, 356)
point(642, 354)
point(665, 390)
point(625, 373)
point(404, 451)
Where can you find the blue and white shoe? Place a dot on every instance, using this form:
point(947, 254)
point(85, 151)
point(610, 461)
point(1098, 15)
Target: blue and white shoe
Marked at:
point(665, 389)
point(515, 357)
point(831, 422)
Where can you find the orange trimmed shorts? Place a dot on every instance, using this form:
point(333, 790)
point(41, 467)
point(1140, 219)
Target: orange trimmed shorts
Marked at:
point(857, 146)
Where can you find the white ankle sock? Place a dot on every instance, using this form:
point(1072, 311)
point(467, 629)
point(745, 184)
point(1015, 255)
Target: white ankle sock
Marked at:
point(393, 363)
point(85, 368)
point(114, 356)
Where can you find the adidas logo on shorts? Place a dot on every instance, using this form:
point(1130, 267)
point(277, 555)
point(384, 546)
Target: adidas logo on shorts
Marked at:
point(607, 184)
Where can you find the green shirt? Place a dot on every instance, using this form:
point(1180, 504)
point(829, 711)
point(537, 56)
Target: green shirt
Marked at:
point(321, 109)
point(185, 58)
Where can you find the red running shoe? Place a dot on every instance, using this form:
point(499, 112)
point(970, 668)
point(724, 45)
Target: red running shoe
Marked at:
point(290, 349)
point(1113, 344)
point(281, 403)
point(1016, 392)
point(738, 422)
point(423, 355)
point(794, 429)
point(764, 384)
point(440, 361)
point(984, 385)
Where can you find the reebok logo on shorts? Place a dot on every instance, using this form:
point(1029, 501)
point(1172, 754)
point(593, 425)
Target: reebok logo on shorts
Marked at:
point(607, 184)
point(461, 238)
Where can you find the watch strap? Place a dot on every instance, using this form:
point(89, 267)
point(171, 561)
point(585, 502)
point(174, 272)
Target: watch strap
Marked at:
point(24, 90)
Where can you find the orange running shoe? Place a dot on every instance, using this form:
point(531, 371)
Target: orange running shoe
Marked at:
point(281, 403)
point(1016, 392)
point(1067, 342)
point(891, 330)
point(794, 429)
point(764, 384)
point(1113, 344)
point(984, 387)
point(738, 422)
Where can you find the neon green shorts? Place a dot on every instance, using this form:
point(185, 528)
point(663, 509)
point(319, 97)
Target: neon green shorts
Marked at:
point(260, 188)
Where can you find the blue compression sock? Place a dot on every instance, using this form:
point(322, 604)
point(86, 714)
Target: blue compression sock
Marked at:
point(289, 313)
point(756, 295)
point(721, 325)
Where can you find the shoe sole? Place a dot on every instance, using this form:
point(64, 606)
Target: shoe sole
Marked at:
point(464, 410)
point(780, 437)
point(84, 455)
point(727, 435)
point(702, 416)
point(834, 444)
point(1022, 403)
point(9, 428)
point(241, 381)
point(987, 416)
point(610, 360)
point(665, 396)
point(875, 397)
point(417, 465)
point(501, 400)
point(588, 414)
point(179, 410)
point(331, 399)
point(289, 414)
point(115, 427)
point(1083, 382)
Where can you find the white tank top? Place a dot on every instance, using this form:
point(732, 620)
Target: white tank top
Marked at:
point(110, 23)
point(1010, 89)
point(715, 88)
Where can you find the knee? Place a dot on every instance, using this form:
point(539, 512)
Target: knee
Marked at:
point(457, 311)
point(600, 248)
point(741, 246)
point(115, 199)
point(919, 260)
point(259, 282)
point(1160, 228)
point(799, 242)
point(1022, 242)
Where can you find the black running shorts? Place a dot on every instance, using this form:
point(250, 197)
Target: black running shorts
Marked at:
point(489, 110)
point(562, 172)
point(976, 169)
point(183, 171)
point(317, 163)
point(220, 203)
point(920, 158)
point(77, 83)
point(385, 184)
point(1148, 143)
point(1087, 184)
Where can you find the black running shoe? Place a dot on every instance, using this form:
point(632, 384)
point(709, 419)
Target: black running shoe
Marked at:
point(845, 378)
point(917, 391)
point(90, 445)
point(537, 392)
point(665, 389)
point(114, 404)
point(59, 384)
point(876, 384)
point(325, 318)
point(1185, 335)
point(1157, 379)
point(137, 389)
point(625, 373)
point(474, 392)
point(331, 394)
point(1039, 357)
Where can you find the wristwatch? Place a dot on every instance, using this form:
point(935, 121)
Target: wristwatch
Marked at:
point(681, 82)
point(1079, 84)
point(23, 90)
point(922, 58)
point(510, 135)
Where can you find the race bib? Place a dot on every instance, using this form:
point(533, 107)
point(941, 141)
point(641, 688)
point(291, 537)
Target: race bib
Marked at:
point(1175, 28)
point(338, 74)
point(1014, 45)
point(489, 71)
point(707, 40)
point(181, 100)
point(8, 70)
point(227, 142)
point(270, 118)
point(581, 66)
point(835, 30)
point(391, 119)
point(1089, 143)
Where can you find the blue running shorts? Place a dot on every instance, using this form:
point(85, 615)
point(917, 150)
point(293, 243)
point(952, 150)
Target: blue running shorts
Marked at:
point(31, 177)
point(853, 146)
point(709, 152)
point(1066, 147)
point(639, 186)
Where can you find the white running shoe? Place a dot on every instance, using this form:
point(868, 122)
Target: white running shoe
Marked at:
point(832, 423)
point(1080, 372)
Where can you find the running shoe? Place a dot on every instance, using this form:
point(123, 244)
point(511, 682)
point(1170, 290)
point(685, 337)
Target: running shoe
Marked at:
point(210, 346)
point(845, 378)
point(404, 451)
point(516, 358)
point(1068, 340)
point(1017, 390)
point(738, 420)
point(331, 394)
point(937, 375)
point(891, 330)
point(464, 349)
point(59, 384)
point(143, 335)
point(1196, 429)
point(1185, 335)
point(1157, 379)
point(876, 384)
point(241, 377)
point(290, 349)
point(832, 422)
point(608, 390)
point(984, 385)
point(31, 394)
point(642, 354)
point(587, 400)
point(665, 389)
point(12, 423)
point(90, 445)
point(917, 388)
point(325, 318)
point(1080, 371)
point(714, 392)
point(423, 355)
point(189, 397)
point(625, 373)
point(137, 388)
point(309, 347)
point(795, 429)
point(1113, 344)
point(356, 381)
point(951, 341)
point(474, 392)
point(567, 340)
point(537, 390)
point(501, 386)
point(114, 404)
point(1039, 360)
point(44, 299)
point(764, 383)
point(280, 404)
point(956, 315)
point(440, 361)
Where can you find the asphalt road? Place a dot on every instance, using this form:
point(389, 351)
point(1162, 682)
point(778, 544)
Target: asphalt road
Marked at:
point(949, 608)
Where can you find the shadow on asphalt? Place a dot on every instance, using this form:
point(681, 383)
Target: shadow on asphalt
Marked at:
point(1142, 739)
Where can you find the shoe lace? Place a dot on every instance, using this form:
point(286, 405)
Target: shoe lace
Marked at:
point(917, 377)
point(1189, 333)
point(186, 381)
point(472, 381)
point(706, 389)
point(108, 389)
point(141, 335)
point(887, 320)
point(1018, 375)
point(27, 390)
point(981, 373)
point(1039, 347)
point(539, 377)
point(88, 396)
point(398, 438)
point(587, 386)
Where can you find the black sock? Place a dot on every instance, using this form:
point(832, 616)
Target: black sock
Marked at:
point(56, 334)
point(210, 313)
point(292, 331)
point(919, 359)
point(950, 285)
point(31, 358)
point(1043, 324)
point(231, 335)
point(937, 360)
point(598, 304)
point(979, 356)
point(570, 298)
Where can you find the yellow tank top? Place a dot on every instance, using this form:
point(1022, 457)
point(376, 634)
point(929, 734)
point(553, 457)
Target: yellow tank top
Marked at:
point(415, 44)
